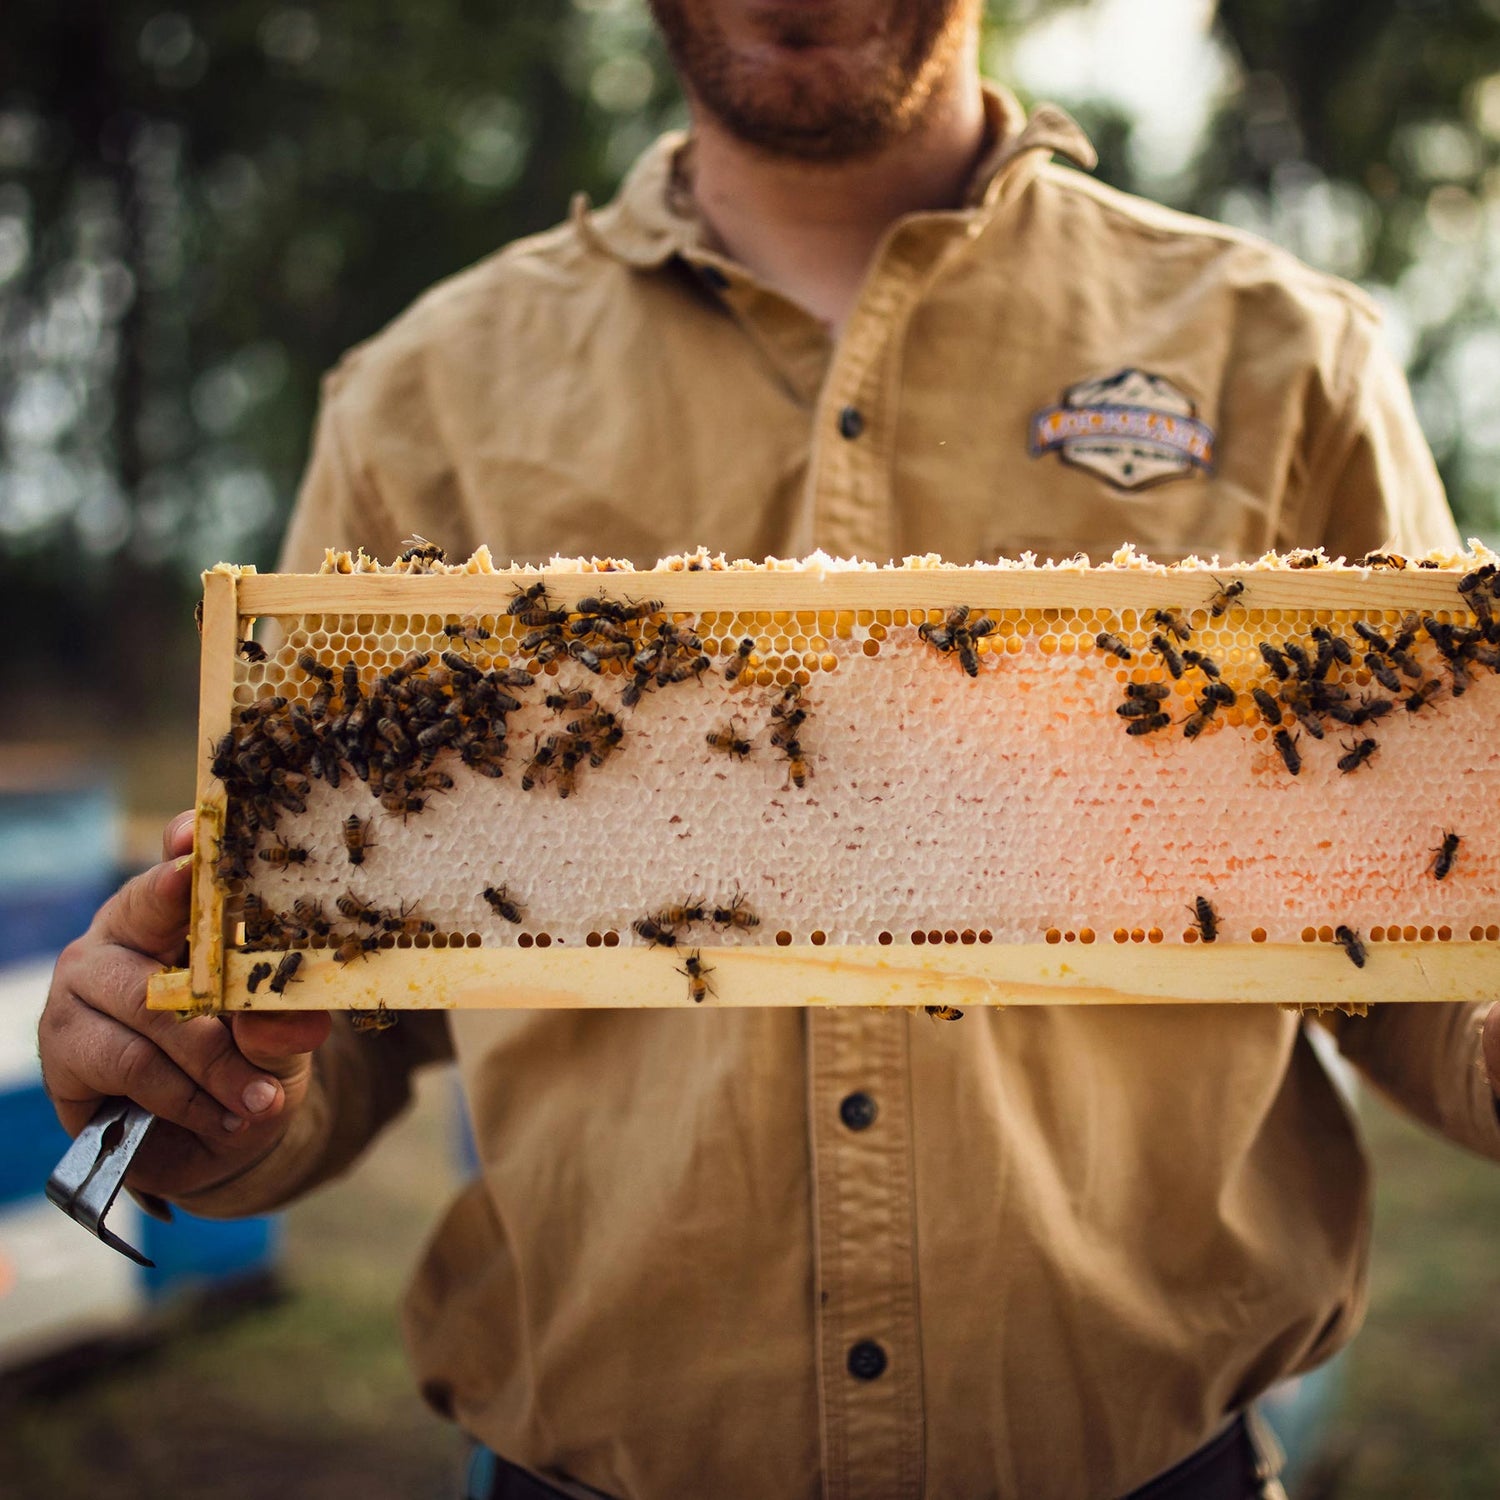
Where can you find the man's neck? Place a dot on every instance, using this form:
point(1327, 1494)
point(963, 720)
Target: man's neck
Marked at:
point(810, 229)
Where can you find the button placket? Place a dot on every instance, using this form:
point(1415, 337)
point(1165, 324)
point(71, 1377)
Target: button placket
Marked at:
point(869, 1356)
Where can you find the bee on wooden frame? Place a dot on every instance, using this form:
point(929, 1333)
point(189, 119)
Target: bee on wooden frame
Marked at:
point(696, 972)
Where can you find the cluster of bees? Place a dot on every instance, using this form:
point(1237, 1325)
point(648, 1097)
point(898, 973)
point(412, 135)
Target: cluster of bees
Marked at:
point(788, 715)
point(1305, 687)
point(957, 635)
point(390, 733)
point(667, 927)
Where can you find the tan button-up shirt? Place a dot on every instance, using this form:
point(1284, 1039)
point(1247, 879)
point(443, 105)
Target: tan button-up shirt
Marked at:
point(1049, 1248)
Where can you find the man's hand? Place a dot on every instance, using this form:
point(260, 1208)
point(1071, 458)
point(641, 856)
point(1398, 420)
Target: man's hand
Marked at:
point(223, 1095)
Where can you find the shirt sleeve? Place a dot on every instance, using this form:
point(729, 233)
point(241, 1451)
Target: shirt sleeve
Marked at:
point(1371, 476)
point(361, 1081)
point(1382, 492)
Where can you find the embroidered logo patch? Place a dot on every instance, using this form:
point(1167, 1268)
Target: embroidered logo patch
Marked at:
point(1131, 428)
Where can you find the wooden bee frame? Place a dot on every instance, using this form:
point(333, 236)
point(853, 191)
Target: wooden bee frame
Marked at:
point(1440, 945)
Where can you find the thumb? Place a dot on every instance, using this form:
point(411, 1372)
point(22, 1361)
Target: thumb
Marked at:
point(282, 1044)
point(150, 913)
point(1490, 1040)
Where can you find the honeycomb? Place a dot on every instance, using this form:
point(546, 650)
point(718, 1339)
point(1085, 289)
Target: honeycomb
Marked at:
point(575, 764)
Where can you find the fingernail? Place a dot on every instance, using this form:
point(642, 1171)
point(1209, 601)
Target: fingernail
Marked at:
point(233, 1123)
point(182, 862)
point(259, 1096)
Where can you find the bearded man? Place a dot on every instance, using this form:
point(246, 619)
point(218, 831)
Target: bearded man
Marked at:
point(836, 1253)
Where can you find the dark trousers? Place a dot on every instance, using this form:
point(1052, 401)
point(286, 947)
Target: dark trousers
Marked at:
point(1239, 1464)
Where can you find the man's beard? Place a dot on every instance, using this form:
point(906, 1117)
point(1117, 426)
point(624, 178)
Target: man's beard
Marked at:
point(850, 104)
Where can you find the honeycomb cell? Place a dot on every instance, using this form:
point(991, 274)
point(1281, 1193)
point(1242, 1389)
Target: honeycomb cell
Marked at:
point(914, 772)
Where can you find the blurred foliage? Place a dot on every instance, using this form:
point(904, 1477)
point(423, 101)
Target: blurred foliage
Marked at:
point(201, 206)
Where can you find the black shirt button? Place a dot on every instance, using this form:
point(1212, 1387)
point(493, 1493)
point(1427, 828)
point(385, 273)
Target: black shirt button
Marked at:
point(866, 1360)
point(714, 277)
point(858, 1111)
point(851, 422)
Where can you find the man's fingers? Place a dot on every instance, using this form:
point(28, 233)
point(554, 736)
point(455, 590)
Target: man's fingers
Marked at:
point(280, 1040)
point(105, 990)
point(177, 836)
point(1490, 1039)
point(109, 1058)
point(149, 913)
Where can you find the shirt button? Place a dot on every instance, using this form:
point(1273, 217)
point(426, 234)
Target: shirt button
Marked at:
point(851, 422)
point(858, 1111)
point(866, 1360)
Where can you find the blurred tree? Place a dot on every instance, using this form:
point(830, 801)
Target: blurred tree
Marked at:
point(203, 205)
point(1364, 137)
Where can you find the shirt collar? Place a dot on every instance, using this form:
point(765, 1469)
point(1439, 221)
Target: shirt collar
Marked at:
point(652, 217)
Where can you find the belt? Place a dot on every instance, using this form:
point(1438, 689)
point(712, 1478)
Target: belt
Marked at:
point(1239, 1464)
point(1232, 1466)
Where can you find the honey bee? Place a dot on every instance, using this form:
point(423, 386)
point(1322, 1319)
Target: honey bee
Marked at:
point(1303, 558)
point(354, 946)
point(736, 914)
point(696, 972)
point(406, 923)
point(1220, 694)
point(968, 657)
point(1372, 636)
point(740, 659)
point(504, 904)
point(1172, 623)
point(1381, 671)
point(1299, 659)
point(1226, 595)
point(309, 664)
point(286, 973)
point(309, 915)
point(1445, 854)
point(571, 701)
point(280, 854)
point(1270, 709)
point(1137, 708)
point(417, 549)
point(1149, 725)
point(1471, 581)
point(1286, 747)
point(1357, 754)
point(1392, 560)
point(1205, 919)
point(1335, 645)
point(1154, 691)
point(1421, 696)
point(1275, 661)
point(471, 633)
point(510, 677)
point(357, 909)
point(1204, 664)
point(1108, 642)
point(379, 1019)
point(655, 931)
point(944, 1012)
point(1197, 721)
point(253, 651)
point(729, 741)
point(256, 918)
point(356, 838)
point(1349, 941)
point(258, 973)
point(797, 771)
point(528, 600)
point(402, 803)
point(684, 915)
point(1168, 653)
